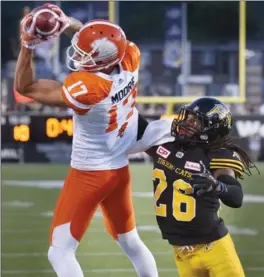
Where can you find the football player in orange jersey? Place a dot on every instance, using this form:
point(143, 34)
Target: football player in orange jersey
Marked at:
point(101, 91)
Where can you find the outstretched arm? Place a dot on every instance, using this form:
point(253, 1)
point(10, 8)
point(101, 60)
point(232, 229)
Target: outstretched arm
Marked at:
point(44, 91)
point(75, 26)
point(156, 132)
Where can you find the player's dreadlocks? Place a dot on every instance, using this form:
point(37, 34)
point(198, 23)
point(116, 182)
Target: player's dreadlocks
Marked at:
point(226, 142)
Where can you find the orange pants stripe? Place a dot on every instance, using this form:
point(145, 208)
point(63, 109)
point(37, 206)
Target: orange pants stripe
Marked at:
point(84, 191)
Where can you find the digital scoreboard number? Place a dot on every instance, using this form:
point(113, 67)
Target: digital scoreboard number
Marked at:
point(21, 133)
point(36, 129)
point(55, 127)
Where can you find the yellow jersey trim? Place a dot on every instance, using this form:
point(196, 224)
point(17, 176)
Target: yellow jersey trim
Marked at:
point(227, 164)
point(236, 170)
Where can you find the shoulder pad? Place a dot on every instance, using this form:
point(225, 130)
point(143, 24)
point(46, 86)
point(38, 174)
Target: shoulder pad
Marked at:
point(81, 90)
point(131, 59)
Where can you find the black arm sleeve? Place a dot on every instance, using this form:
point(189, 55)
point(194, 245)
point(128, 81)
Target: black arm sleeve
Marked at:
point(233, 197)
point(142, 125)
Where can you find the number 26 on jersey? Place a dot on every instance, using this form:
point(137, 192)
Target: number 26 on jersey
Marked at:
point(179, 199)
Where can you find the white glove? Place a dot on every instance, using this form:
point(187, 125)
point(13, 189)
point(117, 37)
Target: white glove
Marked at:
point(63, 18)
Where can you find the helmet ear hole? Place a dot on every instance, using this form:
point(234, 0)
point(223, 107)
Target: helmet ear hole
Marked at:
point(215, 117)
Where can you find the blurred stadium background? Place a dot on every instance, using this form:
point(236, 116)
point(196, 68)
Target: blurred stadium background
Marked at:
point(188, 50)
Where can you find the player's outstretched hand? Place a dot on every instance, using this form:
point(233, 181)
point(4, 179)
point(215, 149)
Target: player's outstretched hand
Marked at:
point(63, 18)
point(205, 182)
point(29, 37)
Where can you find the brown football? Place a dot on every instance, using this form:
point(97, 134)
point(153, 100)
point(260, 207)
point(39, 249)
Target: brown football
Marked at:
point(46, 22)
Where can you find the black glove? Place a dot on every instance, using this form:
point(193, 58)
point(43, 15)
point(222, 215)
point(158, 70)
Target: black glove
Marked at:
point(206, 183)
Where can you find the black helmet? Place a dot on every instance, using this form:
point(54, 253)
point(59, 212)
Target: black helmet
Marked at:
point(204, 120)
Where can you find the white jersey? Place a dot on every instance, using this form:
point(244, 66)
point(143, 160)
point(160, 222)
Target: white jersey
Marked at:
point(105, 118)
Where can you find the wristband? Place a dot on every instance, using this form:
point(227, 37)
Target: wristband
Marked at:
point(221, 188)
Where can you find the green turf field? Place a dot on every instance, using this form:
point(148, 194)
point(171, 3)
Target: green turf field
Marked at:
point(26, 215)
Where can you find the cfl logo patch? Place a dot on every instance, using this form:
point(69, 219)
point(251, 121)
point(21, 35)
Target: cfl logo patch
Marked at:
point(179, 154)
point(163, 152)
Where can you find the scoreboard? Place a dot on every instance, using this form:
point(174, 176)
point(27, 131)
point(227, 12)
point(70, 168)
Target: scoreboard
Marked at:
point(36, 129)
point(36, 138)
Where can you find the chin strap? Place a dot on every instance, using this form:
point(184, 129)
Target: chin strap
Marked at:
point(182, 138)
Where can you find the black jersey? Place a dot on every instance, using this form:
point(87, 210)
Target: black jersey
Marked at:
point(188, 219)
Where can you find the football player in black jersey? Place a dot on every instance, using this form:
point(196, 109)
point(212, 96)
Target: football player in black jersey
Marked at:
point(191, 175)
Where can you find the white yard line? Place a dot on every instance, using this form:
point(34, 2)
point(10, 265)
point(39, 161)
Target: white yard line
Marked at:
point(147, 228)
point(106, 270)
point(95, 270)
point(49, 184)
point(37, 231)
point(100, 254)
point(142, 228)
point(18, 204)
point(234, 230)
point(86, 241)
point(49, 214)
point(253, 198)
point(254, 268)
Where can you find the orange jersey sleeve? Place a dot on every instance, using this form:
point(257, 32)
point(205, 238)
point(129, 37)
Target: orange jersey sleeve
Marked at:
point(131, 60)
point(82, 90)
